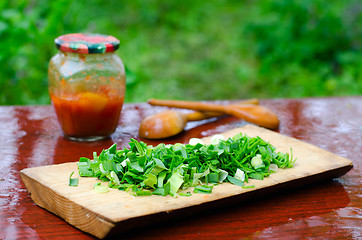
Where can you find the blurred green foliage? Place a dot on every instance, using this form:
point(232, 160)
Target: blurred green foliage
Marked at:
point(192, 49)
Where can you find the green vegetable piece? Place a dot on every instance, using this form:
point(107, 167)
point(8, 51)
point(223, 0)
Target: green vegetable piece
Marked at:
point(135, 166)
point(112, 149)
point(125, 187)
point(84, 169)
point(175, 181)
point(84, 160)
point(106, 166)
point(257, 176)
point(185, 194)
point(137, 146)
point(240, 175)
point(222, 175)
point(73, 182)
point(151, 180)
point(257, 162)
point(159, 191)
point(163, 191)
point(98, 188)
point(213, 177)
point(114, 178)
point(160, 179)
point(143, 193)
point(95, 169)
point(167, 188)
point(235, 181)
point(237, 136)
point(159, 167)
point(203, 189)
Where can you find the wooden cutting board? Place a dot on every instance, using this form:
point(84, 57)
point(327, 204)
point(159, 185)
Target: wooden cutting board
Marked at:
point(116, 211)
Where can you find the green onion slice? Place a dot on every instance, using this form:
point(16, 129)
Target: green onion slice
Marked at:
point(73, 181)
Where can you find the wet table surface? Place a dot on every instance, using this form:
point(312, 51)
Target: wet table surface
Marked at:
point(30, 136)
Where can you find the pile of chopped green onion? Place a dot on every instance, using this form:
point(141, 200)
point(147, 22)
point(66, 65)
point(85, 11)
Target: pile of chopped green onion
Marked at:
point(166, 169)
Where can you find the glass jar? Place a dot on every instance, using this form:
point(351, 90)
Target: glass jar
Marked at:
point(87, 85)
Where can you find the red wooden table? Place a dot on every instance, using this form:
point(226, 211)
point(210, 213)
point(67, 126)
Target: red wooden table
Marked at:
point(30, 136)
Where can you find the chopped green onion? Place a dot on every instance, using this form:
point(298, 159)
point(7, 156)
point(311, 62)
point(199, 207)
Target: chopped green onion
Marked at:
point(213, 177)
point(98, 188)
point(151, 180)
point(185, 194)
point(257, 162)
point(73, 181)
point(235, 181)
point(215, 139)
point(273, 167)
point(114, 178)
point(203, 189)
point(257, 176)
point(176, 180)
point(166, 169)
point(143, 193)
point(222, 175)
point(240, 175)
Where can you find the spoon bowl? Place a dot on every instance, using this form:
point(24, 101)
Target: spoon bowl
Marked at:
point(162, 125)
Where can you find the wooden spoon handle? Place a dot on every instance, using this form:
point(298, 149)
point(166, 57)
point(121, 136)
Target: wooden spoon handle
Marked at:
point(198, 116)
point(199, 106)
point(255, 114)
point(201, 115)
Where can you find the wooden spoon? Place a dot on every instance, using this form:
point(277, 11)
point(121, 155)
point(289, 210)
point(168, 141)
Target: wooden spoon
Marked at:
point(256, 114)
point(169, 123)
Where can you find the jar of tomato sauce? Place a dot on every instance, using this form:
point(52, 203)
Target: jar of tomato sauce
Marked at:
point(87, 85)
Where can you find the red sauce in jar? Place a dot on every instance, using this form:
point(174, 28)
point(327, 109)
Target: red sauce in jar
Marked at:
point(87, 114)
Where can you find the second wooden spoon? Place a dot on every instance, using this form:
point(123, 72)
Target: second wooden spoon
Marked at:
point(169, 123)
point(256, 114)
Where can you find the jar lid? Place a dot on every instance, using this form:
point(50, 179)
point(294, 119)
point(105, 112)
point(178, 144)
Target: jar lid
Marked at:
point(86, 43)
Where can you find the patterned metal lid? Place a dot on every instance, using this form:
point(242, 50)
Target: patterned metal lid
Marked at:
point(86, 43)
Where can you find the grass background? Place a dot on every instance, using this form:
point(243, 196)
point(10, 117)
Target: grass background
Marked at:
point(193, 50)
